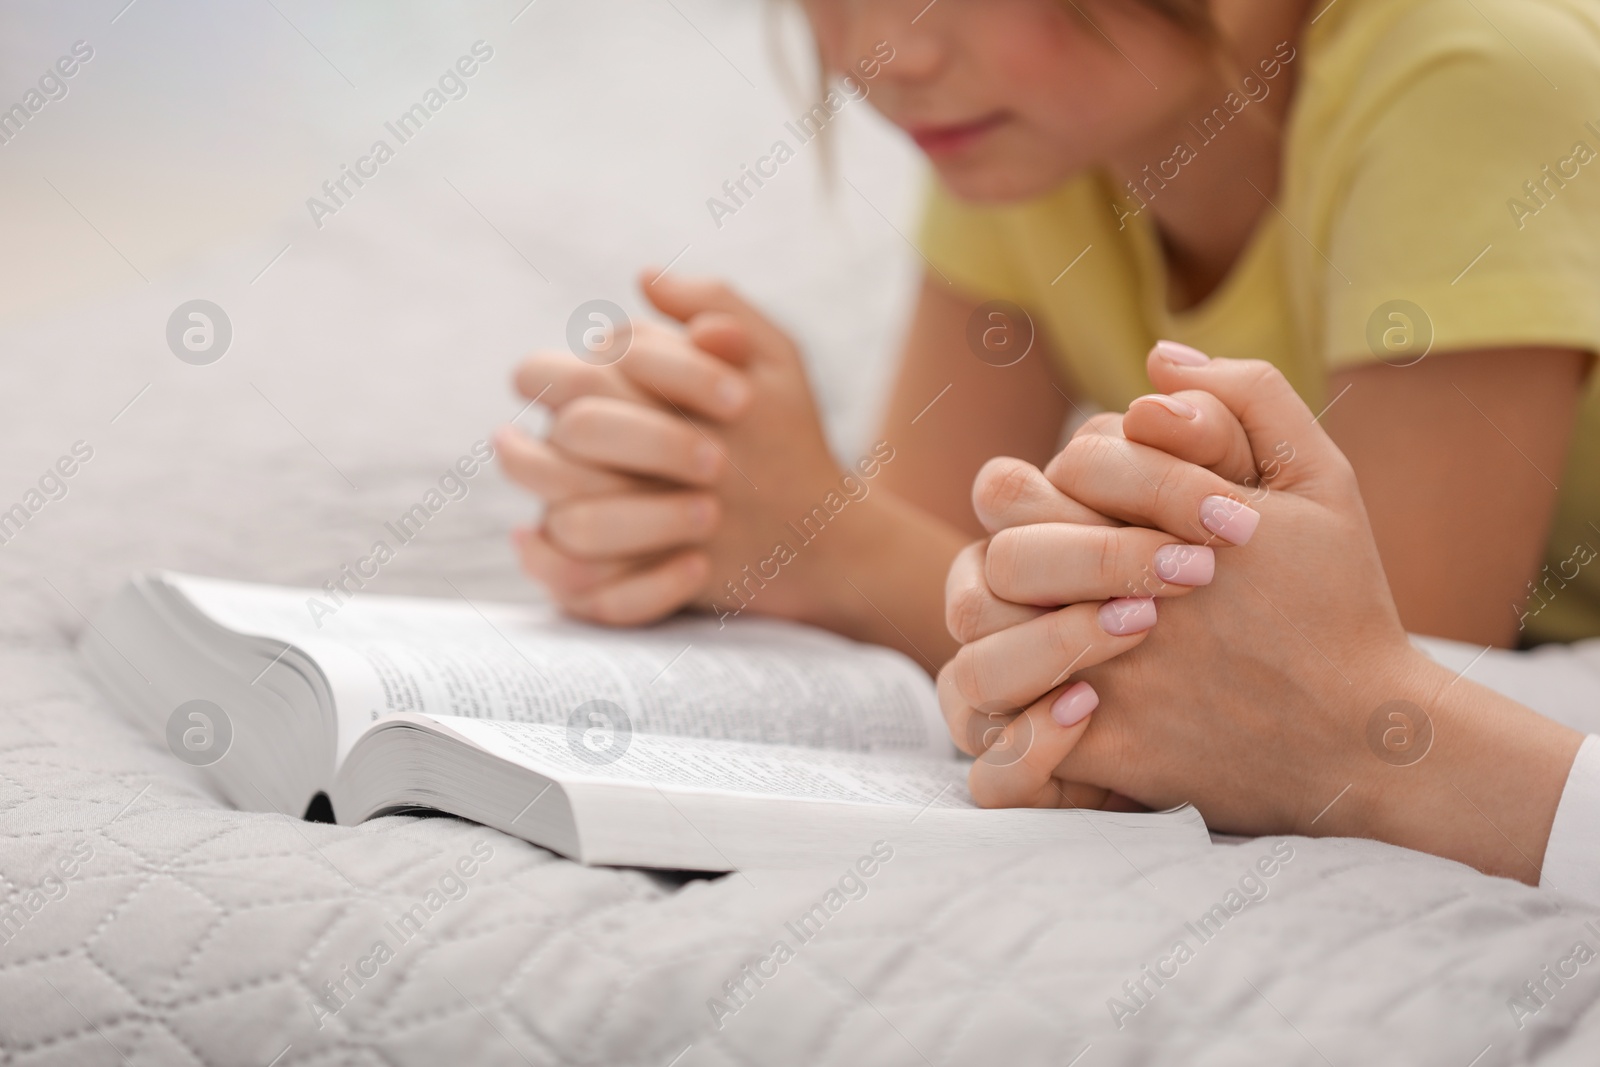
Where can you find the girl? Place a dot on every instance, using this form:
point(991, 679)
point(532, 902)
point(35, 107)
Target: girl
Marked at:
point(1396, 202)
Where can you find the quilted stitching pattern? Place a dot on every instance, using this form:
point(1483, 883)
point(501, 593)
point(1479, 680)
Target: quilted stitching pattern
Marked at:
point(195, 934)
point(201, 935)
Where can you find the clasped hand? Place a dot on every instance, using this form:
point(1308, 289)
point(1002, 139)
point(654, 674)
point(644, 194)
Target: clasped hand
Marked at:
point(1185, 605)
point(1201, 571)
point(666, 472)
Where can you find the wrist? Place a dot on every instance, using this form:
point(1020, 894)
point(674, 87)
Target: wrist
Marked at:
point(840, 553)
point(1446, 766)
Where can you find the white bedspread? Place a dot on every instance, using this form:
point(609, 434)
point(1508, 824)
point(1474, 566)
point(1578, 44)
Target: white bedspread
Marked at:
point(365, 360)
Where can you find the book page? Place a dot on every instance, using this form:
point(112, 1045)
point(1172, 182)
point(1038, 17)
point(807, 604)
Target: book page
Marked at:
point(692, 803)
point(753, 680)
point(694, 764)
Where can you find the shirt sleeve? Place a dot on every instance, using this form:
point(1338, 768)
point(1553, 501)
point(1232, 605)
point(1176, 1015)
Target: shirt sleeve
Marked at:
point(1572, 857)
point(1469, 190)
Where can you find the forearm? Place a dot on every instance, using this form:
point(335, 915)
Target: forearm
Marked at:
point(1486, 789)
point(949, 411)
point(879, 577)
point(1463, 441)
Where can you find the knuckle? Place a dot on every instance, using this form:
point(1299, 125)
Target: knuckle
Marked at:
point(1081, 452)
point(535, 469)
point(950, 702)
point(1172, 482)
point(981, 785)
point(1109, 548)
point(1104, 424)
point(651, 348)
point(580, 418)
point(1001, 484)
point(965, 673)
point(1095, 447)
point(992, 734)
point(562, 574)
point(972, 731)
point(969, 731)
point(573, 527)
point(566, 576)
point(964, 610)
point(609, 606)
point(965, 568)
point(1340, 464)
point(1258, 372)
point(1064, 636)
point(1003, 564)
point(991, 786)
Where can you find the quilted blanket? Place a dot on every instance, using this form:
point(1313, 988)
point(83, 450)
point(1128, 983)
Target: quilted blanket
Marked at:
point(144, 922)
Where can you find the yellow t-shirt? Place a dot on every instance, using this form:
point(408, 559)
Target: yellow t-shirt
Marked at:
point(1414, 170)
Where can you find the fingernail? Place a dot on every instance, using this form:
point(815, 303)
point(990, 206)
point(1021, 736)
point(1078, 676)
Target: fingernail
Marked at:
point(1074, 705)
point(1127, 615)
point(1229, 519)
point(1186, 564)
point(1181, 408)
point(732, 393)
point(1182, 355)
point(707, 458)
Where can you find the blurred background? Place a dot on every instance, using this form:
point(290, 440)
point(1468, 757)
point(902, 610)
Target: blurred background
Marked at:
point(367, 354)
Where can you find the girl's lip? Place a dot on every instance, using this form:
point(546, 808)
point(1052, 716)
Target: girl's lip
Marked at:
point(950, 139)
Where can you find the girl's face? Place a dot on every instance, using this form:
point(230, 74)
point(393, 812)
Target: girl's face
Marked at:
point(1009, 98)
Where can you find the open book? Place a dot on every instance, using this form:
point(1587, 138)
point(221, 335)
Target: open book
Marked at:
point(686, 745)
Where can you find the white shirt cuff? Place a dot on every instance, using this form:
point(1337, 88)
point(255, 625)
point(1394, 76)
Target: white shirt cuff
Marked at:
point(1572, 858)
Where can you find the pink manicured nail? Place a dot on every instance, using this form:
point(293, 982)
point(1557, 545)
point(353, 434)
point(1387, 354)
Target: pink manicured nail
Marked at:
point(1182, 355)
point(1073, 706)
point(1229, 519)
point(1127, 615)
point(1181, 408)
point(1186, 564)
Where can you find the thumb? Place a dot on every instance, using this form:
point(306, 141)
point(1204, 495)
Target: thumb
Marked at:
point(1193, 426)
point(1289, 446)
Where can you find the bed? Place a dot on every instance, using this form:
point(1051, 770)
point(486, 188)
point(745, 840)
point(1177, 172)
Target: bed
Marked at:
point(366, 354)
